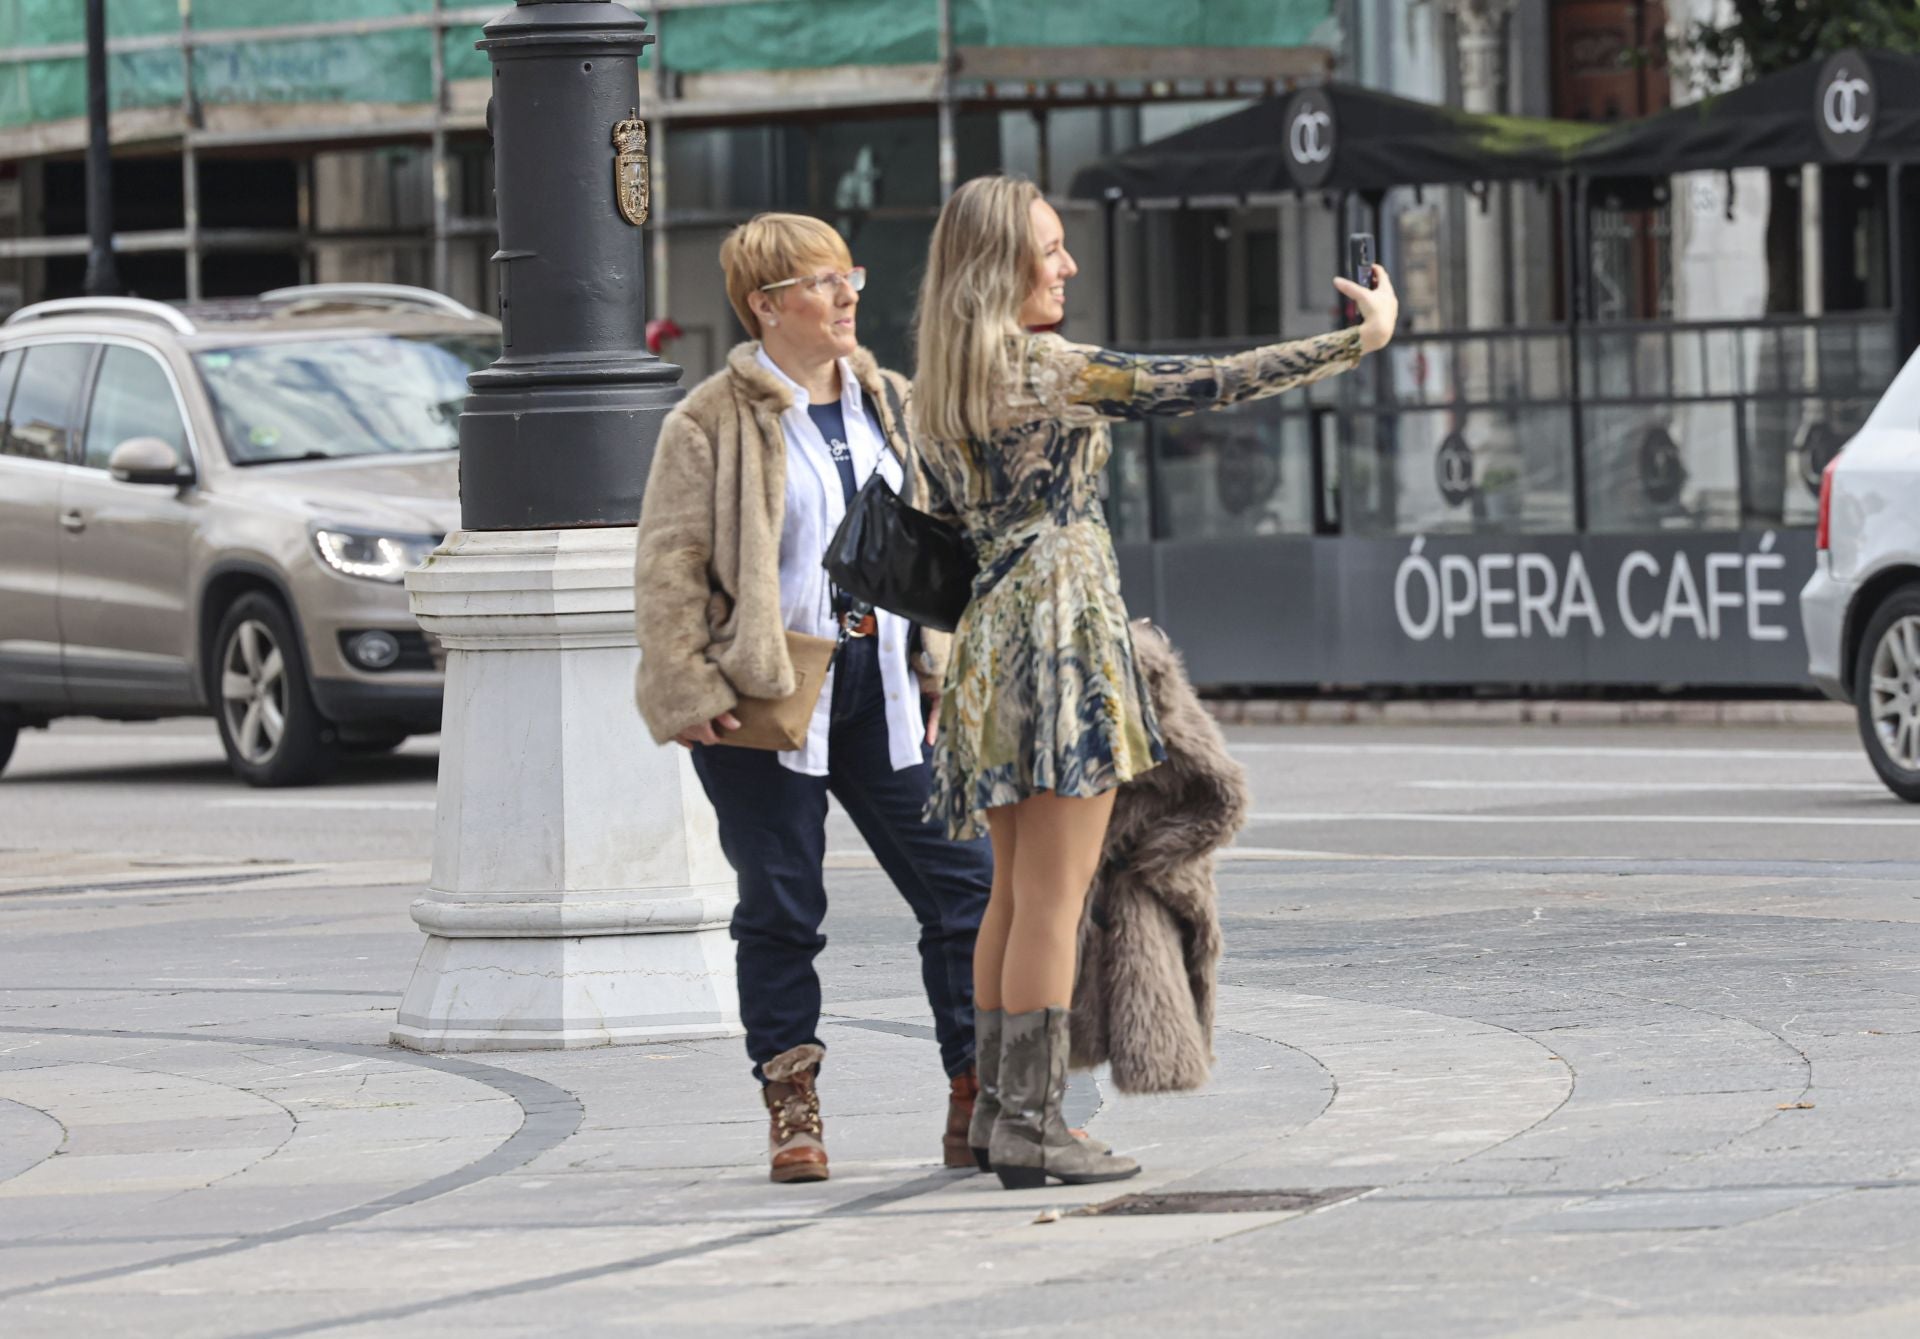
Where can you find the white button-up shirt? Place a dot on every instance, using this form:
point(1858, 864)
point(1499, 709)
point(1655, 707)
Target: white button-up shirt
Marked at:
point(816, 504)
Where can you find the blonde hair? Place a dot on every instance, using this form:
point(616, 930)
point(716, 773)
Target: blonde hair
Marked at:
point(770, 247)
point(980, 268)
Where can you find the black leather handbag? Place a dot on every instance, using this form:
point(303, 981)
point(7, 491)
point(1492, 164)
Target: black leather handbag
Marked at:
point(894, 557)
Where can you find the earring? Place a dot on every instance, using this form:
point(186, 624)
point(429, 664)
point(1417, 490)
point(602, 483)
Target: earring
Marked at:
point(772, 321)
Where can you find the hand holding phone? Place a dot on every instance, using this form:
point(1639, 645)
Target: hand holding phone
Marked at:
point(1360, 259)
point(1368, 290)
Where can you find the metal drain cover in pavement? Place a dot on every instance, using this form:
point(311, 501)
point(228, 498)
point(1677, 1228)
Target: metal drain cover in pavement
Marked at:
point(1226, 1201)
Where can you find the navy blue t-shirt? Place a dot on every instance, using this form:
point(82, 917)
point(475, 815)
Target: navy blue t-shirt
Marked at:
point(831, 419)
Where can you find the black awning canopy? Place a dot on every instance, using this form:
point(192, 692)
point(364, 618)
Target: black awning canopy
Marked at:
point(1335, 137)
point(1852, 107)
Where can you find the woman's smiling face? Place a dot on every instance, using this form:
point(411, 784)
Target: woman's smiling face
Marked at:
point(1046, 302)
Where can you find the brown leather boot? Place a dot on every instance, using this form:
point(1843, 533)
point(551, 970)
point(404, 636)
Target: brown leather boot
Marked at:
point(953, 1144)
point(796, 1144)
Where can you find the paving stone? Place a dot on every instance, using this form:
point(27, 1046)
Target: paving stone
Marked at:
point(28, 1135)
point(1667, 1210)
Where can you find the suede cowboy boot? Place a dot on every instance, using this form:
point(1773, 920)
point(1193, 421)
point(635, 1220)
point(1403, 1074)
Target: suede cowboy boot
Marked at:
point(796, 1144)
point(1031, 1141)
point(961, 1100)
point(986, 1106)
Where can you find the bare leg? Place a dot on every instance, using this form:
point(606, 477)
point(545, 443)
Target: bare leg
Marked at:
point(990, 945)
point(1057, 854)
point(1055, 858)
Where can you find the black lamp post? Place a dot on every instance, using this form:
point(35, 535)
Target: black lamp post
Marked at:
point(559, 431)
point(579, 896)
point(103, 276)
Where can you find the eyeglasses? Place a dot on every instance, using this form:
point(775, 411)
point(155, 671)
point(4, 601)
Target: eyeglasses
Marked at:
point(855, 279)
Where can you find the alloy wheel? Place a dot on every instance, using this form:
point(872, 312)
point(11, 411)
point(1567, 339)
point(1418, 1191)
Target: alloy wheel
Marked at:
point(253, 691)
point(1895, 704)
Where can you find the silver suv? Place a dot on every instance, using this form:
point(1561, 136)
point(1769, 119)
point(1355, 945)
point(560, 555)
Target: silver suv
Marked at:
point(1861, 608)
point(210, 507)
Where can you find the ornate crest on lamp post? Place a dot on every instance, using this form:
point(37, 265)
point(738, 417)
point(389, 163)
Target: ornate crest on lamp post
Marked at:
point(630, 169)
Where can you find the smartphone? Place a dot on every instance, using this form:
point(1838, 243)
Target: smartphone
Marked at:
point(1360, 258)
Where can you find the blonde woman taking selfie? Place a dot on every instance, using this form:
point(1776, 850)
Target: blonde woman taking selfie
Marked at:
point(1044, 714)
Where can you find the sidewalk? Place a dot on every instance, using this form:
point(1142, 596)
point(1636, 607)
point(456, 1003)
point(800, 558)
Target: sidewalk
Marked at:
point(1530, 711)
point(1530, 1111)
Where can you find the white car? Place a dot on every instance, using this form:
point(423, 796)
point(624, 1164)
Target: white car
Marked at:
point(1862, 607)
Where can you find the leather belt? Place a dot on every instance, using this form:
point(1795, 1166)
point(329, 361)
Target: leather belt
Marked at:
point(859, 625)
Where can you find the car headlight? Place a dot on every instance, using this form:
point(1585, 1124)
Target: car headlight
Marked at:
point(374, 557)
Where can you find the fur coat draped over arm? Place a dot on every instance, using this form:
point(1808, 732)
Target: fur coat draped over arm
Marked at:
point(1150, 939)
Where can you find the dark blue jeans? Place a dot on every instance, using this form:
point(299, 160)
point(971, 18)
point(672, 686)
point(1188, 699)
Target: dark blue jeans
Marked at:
point(773, 830)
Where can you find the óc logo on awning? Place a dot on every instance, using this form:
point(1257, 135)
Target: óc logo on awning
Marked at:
point(1845, 102)
point(1311, 137)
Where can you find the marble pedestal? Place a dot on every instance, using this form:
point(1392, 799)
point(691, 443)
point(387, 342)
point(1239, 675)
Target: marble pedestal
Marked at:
point(579, 896)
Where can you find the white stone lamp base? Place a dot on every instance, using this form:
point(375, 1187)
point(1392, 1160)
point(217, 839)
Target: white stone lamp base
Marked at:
point(579, 896)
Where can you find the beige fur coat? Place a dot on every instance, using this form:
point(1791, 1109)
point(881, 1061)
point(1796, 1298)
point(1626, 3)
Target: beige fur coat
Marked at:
point(706, 588)
point(1150, 941)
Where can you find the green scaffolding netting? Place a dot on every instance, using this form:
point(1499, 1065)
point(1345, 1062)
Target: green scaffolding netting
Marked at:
point(816, 34)
point(397, 65)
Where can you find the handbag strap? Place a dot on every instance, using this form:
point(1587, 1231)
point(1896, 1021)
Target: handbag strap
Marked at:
point(898, 414)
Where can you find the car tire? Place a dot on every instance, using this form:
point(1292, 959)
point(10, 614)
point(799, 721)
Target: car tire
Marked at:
point(8, 734)
point(1889, 715)
point(273, 733)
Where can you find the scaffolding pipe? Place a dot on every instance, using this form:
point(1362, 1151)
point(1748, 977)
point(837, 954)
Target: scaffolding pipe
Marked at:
point(657, 240)
point(189, 157)
point(949, 159)
point(103, 277)
point(303, 219)
point(190, 181)
point(442, 261)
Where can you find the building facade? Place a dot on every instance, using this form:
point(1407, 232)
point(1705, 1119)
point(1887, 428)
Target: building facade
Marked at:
point(260, 144)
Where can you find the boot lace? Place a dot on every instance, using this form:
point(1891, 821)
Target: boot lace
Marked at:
point(796, 1113)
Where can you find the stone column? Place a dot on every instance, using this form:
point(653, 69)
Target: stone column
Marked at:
point(579, 897)
point(1481, 27)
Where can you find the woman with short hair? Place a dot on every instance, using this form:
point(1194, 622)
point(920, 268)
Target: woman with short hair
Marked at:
point(752, 474)
point(1044, 712)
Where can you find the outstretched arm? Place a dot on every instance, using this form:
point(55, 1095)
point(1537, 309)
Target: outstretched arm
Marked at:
point(1129, 385)
point(1124, 385)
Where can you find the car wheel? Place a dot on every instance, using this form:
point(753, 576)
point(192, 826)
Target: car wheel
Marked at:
point(273, 733)
point(1886, 691)
point(8, 734)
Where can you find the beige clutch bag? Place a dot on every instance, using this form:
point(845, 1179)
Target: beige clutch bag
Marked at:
point(782, 723)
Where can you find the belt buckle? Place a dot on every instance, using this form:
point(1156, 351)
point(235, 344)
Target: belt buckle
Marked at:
point(855, 626)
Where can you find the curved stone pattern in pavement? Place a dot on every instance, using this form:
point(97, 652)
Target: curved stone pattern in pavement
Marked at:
point(1623, 1099)
point(28, 1137)
point(165, 1149)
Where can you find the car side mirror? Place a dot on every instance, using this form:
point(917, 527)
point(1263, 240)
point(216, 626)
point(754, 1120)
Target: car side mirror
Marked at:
point(147, 460)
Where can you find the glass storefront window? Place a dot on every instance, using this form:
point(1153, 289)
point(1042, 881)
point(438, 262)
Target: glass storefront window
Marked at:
point(864, 165)
point(1458, 434)
point(1714, 426)
point(894, 252)
point(1438, 471)
point(1663, 467)
point(736, 169)
point(1245, 471)
point(1128, 514)
point(1789, 443)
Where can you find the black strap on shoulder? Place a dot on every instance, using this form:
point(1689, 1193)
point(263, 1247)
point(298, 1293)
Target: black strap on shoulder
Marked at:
point(898, 414)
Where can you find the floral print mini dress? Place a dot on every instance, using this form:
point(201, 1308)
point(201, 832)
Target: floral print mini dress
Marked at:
point(1041, 691)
